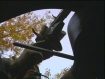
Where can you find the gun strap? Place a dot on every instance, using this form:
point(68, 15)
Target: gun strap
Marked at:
point(28, 72)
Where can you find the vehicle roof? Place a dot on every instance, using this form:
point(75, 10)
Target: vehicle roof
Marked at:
point(11, 9)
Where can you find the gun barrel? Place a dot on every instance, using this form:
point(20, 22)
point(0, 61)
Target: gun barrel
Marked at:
point(45, 50)
point(61, 16)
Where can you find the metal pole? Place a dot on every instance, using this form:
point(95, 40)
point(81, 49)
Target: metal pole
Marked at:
point(42, 50)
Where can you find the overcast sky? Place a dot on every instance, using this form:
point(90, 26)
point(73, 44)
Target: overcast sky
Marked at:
point(56, 64)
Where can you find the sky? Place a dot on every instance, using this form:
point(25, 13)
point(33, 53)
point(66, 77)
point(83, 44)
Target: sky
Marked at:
point(56, 64)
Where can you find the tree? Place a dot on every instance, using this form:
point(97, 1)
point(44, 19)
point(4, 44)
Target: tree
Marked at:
point(56, 76)
point(20, 29)
point(47, 73)
point(59, 75)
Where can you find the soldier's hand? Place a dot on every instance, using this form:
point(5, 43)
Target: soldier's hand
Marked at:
point(45, 45)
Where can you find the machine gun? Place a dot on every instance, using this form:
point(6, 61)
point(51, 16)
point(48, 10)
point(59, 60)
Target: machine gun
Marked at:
point(89, 44)
point(54, 33)
point(51, 36)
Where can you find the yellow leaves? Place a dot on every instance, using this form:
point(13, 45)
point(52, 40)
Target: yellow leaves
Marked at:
point(42, 24)
point(10, 21)
point(65, 70)
point(17, 50)
point(15, 36)
point(4, 43)
point(47, 73)
point(58, 75)
point(20, 29)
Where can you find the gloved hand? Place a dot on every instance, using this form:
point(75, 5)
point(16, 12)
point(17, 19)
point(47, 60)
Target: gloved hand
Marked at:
point(46, 45)
point(26, 59)
point(3, 74)
point(29, 58)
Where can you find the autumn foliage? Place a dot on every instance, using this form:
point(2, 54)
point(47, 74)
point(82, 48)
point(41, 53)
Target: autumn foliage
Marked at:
point(56, 76)
point(20, 29)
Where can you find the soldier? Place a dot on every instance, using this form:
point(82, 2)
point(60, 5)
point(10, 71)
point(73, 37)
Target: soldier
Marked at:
point(86, 34)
